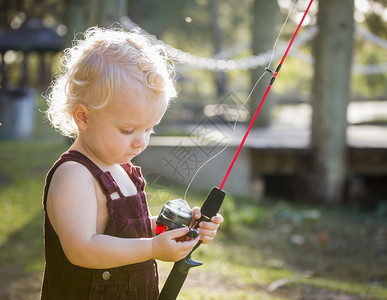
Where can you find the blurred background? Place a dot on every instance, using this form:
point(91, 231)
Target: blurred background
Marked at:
point(309, 188)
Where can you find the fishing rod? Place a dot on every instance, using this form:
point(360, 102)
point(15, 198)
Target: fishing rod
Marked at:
point(213, 200)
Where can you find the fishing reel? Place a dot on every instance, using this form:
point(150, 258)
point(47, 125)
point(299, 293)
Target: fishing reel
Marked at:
point(175, 214)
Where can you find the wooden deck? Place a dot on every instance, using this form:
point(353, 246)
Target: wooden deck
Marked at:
point(282, 158)
point(287, 150)
point(283, 149)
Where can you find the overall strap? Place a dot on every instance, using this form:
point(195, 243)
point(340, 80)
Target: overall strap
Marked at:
point(105, 179)
point(135, 175)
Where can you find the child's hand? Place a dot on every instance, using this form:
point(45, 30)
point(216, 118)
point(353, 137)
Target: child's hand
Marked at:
point(207, 230)
point(166, 248)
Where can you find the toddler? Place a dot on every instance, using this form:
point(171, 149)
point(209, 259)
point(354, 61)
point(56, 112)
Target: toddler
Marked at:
point(99, 236)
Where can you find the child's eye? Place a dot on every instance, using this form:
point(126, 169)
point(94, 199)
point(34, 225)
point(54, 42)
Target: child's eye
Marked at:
point(127, 132)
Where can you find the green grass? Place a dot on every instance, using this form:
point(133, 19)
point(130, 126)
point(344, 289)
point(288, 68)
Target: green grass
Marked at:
point(325, 250)
point(23, 168)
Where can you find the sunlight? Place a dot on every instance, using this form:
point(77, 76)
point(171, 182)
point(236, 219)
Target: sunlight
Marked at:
point(362, 5)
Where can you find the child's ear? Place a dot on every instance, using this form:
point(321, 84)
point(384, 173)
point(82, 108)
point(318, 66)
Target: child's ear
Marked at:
point(81, 116)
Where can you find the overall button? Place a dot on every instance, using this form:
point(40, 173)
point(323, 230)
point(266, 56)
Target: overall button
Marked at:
point(106, 275)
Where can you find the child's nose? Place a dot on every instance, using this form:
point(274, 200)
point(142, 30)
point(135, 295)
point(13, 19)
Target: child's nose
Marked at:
point(140, 140)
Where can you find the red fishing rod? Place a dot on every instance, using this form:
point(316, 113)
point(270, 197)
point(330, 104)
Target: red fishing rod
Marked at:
point(216, 196)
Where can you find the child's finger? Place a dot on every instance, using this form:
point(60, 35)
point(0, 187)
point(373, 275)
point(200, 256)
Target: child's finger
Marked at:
point(207, 232)
point(188, 245)
point(176, 233)
point(207, 237)
point(218, 219)
point(196, 214)
point(208, 225)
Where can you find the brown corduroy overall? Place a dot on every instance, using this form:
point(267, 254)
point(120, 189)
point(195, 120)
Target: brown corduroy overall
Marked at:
point(128, 218)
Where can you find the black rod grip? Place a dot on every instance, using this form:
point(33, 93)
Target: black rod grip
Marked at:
point(173, 284)
point(213, 202)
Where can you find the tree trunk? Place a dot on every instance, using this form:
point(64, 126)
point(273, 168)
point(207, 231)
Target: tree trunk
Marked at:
point(105, 13)
point(264, 28)
point(4, 82)
point(74, 19)
point(112, 11)
point(333, 50)
point(220, 76)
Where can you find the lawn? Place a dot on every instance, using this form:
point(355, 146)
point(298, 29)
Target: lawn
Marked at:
point(267, 249)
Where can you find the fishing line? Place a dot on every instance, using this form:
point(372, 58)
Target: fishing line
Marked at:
point(267, 69)
point(280, 33)
point(229, 140)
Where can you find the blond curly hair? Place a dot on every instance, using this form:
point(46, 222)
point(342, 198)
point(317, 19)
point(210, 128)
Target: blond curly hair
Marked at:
point(101, 64)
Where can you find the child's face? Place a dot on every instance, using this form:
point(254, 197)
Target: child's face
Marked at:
point(121, 130)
